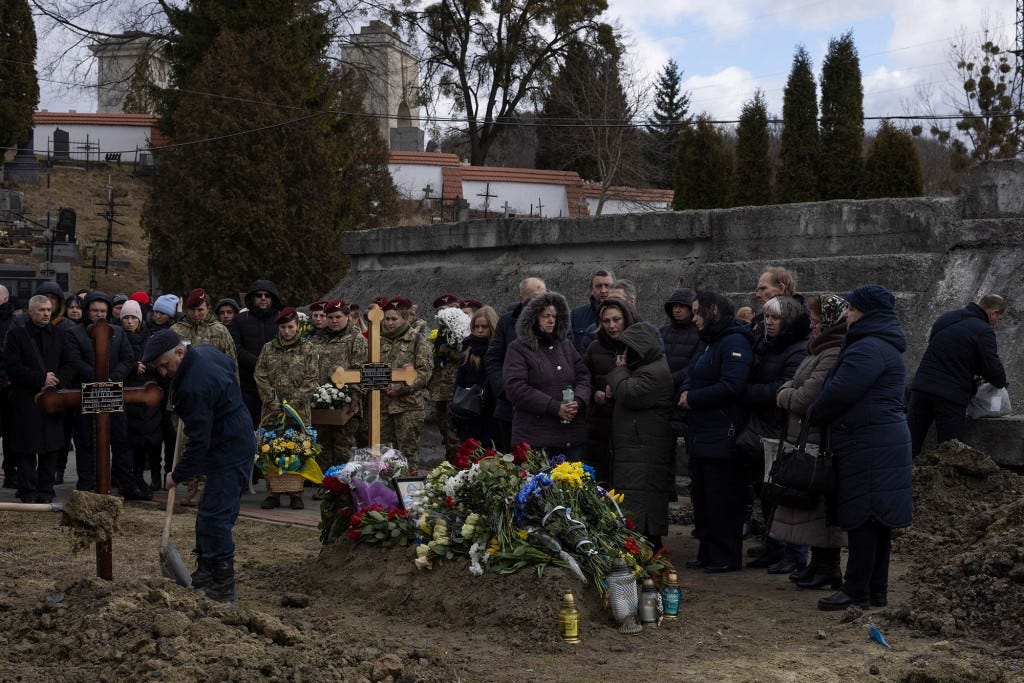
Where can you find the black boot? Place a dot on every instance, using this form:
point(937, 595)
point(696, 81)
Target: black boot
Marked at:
point(203, 575)
point(222, 584)
point(827, 574)
point(805, 573)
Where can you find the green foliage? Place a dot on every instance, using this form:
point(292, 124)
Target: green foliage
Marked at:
point(842, 120)
point(893, 168)
point(272, 203)
point(752, 179)
point(19, 88)
point(671, 111)
point(489, 57)
point(704, 167)
point(800, 144)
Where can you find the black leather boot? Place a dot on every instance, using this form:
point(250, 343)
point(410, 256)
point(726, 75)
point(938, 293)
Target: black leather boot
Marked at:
point(222, 584)
point(805, 573)
point(203, 575)
point(827, 574)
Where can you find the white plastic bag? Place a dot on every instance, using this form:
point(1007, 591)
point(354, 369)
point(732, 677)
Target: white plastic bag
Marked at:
point(989, 402)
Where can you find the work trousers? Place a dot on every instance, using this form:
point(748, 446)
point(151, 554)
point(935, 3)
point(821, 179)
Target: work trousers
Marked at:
point(950, 419)
point(218, 510)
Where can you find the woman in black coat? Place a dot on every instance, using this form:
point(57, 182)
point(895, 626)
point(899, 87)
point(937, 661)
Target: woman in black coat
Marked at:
point(641, 385)
point(614, 316)
point(710, 398)
point(862, 405)
point(145, 435)
point(472, 372)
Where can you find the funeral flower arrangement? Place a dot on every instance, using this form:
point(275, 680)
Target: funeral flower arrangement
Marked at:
point(360, 489)
point(453, 327)
point(505, 512)
point(329, 397)
point(288, 446)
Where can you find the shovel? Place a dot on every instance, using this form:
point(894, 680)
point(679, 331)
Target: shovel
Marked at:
point(31, 507)
point(170, 561)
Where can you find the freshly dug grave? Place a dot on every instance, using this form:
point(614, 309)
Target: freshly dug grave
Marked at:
point(966, 547)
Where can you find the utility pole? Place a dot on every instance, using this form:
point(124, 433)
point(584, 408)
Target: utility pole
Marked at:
point(110, 216)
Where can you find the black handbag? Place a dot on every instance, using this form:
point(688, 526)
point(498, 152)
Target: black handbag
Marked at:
point(468, 402)
point(807, 471)
point(794, 470)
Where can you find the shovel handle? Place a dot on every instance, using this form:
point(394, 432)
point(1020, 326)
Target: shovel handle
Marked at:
point(178, 445)
point(31, 507)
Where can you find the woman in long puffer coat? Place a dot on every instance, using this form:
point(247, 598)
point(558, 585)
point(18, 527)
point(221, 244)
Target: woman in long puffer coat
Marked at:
point(642, 390)
point(862, 405)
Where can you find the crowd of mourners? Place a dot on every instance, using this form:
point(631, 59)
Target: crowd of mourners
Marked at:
point(598, 383)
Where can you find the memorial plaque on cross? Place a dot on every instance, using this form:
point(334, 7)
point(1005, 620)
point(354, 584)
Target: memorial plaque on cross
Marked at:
point(374, 376)
point(100, 398)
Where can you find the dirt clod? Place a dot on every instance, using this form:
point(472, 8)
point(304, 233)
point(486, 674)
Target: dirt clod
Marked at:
point(90, 517)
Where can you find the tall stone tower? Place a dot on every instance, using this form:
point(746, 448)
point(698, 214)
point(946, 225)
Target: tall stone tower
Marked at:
point(389, 74)
point(125, 64)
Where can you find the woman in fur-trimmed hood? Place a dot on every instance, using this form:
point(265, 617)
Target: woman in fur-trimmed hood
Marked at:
point(540, 364)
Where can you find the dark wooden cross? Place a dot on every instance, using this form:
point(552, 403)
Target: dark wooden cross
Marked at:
point(540, 208)
point(100, 397)
point(374, 376)
point(486, 194)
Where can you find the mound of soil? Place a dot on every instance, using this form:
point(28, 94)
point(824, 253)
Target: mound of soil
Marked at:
point(967, 548)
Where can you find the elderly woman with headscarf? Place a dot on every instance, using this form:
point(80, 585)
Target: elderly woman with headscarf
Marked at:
point(710, 395)
point(546, 380)
point(862, 406)
point(286, 370)
point(614, 316)
point(813, 527)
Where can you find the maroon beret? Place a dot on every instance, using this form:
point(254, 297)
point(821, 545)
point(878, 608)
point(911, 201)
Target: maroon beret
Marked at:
point(399, 303)
point(381, 301)
point(336, 306)
point(318, 305)
point(287, 315)
point(352, 308)
point(195, 298)
point(445, 300)
point(471, 303)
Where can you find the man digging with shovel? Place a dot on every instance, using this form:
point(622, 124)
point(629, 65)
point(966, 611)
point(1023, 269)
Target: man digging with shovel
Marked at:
point(205, 395)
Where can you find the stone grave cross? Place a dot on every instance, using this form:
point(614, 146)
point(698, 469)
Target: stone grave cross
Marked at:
point(100, 397)
point(374, 376)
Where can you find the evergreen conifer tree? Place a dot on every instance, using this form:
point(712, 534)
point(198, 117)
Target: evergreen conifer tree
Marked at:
point(19, 87)
point(752, 177)
point(671, 111)
point(703, 168)
point(842, 120)
point(268, 188)
point(800, 145)
point(893, 168)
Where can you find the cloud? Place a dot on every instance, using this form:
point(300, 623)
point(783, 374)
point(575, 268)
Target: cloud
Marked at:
point(722, 93)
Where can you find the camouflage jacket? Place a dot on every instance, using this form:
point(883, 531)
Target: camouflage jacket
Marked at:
point(409, 349)
point(346, 350)
point(446, 365)
point(286, 373)
point(209, 331)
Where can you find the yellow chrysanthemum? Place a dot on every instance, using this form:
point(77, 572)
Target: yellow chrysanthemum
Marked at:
point(265, 448)
point(523, 535)
point(568, 474)
point(433, 335)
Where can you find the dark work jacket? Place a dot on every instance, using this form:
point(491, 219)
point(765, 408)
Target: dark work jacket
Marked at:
point(583, 325)
point(775, 362)
point(504, 334)
point(218, 427)
point(251, 331)
point(862, 404)
point(30, 430)
point(961, 344)
point(643, 443)
point(120, 356)
point(718, 374)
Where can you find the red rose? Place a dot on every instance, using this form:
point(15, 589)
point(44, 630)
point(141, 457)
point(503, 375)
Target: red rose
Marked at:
point(520, 453)
point(490, 453)
point(356, 519)
point(332, 484)
point(449, 503)
point(354, 534)
point(630, 524)
point(472, 443)
point(461, 461)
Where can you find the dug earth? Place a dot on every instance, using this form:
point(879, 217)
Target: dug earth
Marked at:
point(361, 613)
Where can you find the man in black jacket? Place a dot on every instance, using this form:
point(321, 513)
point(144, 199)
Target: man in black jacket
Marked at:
point(494, 360)
point(122, 364)
point(251, 330)
point(961, 347)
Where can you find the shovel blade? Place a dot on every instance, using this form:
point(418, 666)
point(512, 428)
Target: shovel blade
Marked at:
point(172, 566)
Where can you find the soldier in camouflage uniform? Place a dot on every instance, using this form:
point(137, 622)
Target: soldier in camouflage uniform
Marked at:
point(447, 353)
point(403, 406)
point(339, 344)
point(286, 370)
point(200, 326)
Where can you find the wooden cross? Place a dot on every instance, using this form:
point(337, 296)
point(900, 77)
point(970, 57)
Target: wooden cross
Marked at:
point(374, 376)
point(540, 208)
point(100, 397)
point(486, 194)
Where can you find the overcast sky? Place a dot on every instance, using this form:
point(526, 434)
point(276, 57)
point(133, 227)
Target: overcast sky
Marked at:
point(728, 48)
